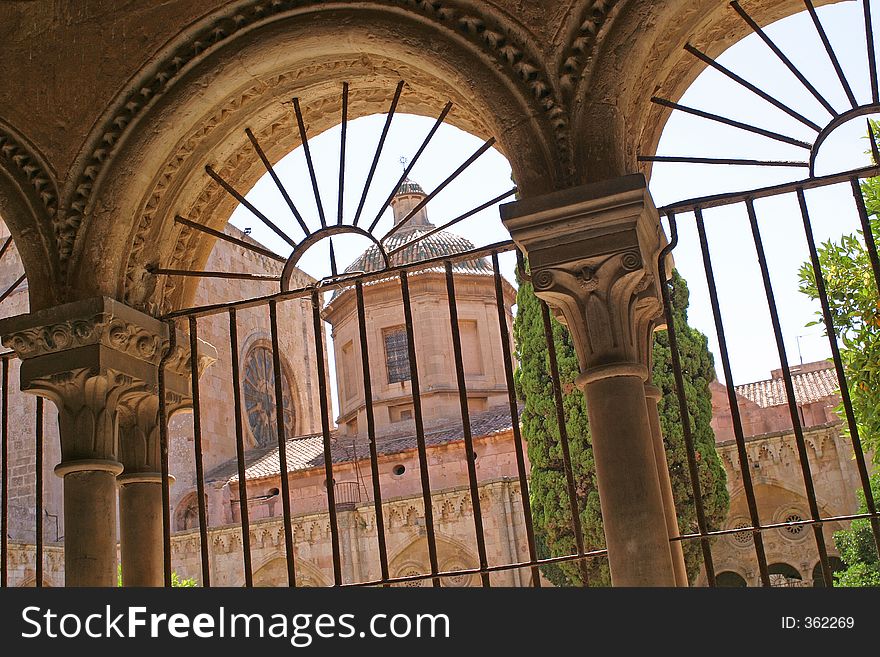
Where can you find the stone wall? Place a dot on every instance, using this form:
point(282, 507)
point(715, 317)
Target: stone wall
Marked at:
point(780, 495)
point(21, 424)
point(405, 537)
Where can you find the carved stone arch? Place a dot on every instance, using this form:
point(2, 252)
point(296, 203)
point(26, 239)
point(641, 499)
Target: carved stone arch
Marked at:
point(186, 512)
point(412, 558)
point(31, 582)
point(234, 70)
point(272, 571)
point(641, 54)
point(28, 206)
point(764, 491)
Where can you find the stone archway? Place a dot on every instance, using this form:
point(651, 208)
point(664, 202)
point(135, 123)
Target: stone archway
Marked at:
point(247, 79)
point(274, 573)
point(28, 206)
point(412, 559)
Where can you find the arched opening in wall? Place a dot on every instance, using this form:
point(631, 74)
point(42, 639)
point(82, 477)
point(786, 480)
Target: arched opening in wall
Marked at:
point(186, 516)
point(765, 178)
point(370, 267)
point(730, 579)
point(274, 573)
point(837, 565)
point(784, 575)
point(33, 516)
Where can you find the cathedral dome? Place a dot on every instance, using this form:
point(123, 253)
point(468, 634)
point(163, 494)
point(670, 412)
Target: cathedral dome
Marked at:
point(410, 187)
point(408, 207)
point(441, 243)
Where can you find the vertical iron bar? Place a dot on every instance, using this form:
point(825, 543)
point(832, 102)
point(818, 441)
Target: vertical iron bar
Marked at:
point(831, 332)
point(563, 440)
point(371, 431)
point(308, 153)
point(872, 138)
point(163, 453)
point(872, 59)
point(466, 425)
point(4, 502)
point(748, 488)
point(325, 430)
point(197, 443)
point(831, 54)
point(342, 136)
point(868, 234)
point(420, 427)
point(239, 451)
point(38, 492)
point(683, 412)
point(514, 419)
point(789, 393)
point(379, 146)
point(334, 270)
point(278, 382)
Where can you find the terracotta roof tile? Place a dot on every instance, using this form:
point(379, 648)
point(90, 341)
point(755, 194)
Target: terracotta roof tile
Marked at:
point(809, 387)
point(306, 452)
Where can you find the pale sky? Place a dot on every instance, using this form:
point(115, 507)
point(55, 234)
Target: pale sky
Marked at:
point(744, 308)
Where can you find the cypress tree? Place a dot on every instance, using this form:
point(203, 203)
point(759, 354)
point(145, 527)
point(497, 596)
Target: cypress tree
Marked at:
point(548, 488)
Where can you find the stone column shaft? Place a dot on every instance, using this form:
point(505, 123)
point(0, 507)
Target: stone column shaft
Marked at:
point(593, 254)
point(652, 396)
point(90, 536)
point(140, 530)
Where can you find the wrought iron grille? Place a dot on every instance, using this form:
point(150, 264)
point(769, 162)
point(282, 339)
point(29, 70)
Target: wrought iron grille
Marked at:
point(693, 211)
point(342, 496)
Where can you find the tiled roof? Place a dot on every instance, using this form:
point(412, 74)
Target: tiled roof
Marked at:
point(306, 452)
point(809, 387)
point(410, 187)
point(439, 244)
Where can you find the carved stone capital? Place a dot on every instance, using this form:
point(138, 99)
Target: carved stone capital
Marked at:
point(593, 254)
point(100, 334)
point(92, 358)
point(138, 431)
point(87, 413)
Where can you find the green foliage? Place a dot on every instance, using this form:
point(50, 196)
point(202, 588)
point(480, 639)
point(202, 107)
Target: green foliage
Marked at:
point(176, 582)
point(857, 547)
point(854, 308)
point(549, 493)
point(855, 314)
point(698, 370)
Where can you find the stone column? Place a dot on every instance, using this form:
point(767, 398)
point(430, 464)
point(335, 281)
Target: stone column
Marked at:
point(652, 396)
point(141, 520)
point(86, 356)
point(140, 486)
point(593, 254)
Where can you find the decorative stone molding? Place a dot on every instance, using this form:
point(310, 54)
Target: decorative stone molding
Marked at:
point(593, 254)
point(503, 44)
point(578, 54)
point(23, 158)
